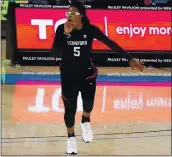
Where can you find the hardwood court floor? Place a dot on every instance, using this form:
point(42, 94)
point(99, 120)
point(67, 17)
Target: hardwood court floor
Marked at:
point(147, 143)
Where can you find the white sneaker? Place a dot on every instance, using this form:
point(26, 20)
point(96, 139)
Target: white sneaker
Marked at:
point(87, 134)
point(71, 146)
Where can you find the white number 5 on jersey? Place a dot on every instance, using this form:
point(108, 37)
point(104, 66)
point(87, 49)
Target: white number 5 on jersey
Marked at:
point(77, 51)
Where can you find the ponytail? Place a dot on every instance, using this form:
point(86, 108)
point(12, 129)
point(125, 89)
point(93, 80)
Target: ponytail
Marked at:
point(85, 21)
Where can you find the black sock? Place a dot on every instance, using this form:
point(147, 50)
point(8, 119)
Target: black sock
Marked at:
point(71, 135)
point(85, 119)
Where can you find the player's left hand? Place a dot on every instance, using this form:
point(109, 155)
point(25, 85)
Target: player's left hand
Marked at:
point(136, 64)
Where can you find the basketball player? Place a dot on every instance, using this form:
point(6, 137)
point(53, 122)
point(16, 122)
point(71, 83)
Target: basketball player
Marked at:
point(78, 73)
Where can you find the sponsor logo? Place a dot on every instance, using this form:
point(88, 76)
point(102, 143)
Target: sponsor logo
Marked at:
point(37, 29)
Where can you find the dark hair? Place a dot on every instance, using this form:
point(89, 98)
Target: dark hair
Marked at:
point(82, 10)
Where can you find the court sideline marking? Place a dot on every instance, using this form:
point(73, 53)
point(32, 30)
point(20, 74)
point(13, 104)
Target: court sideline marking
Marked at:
point(96, 139)
point(105, 134)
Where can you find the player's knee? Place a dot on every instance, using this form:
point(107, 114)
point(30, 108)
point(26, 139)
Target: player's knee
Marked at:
point(88, 106)
point(70, 110)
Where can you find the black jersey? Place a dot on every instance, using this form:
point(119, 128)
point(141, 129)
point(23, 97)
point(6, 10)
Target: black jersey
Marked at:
point(76, 48)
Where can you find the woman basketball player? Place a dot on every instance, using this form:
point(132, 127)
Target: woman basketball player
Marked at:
point(78, 73)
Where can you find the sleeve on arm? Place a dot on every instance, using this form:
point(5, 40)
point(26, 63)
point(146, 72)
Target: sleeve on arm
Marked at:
point(58, 44)
point(111, 44)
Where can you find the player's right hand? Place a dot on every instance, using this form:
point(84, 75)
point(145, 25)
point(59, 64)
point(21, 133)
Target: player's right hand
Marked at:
point(68, 27)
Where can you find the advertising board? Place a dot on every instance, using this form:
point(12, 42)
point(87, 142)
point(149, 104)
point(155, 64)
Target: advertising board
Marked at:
point(144, 32)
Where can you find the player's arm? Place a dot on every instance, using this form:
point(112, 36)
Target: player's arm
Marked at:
point(58, 44)
point(111, 44)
